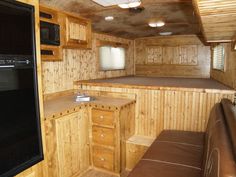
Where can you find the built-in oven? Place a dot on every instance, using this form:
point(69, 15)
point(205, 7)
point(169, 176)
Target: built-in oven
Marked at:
point(20, 133)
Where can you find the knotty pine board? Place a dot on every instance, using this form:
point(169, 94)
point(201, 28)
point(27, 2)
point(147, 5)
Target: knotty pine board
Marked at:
point(156, 110)
point(229, 76)
point(172, 56)
point(81, 64)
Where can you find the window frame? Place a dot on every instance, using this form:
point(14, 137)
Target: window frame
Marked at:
point(225, 56)
point(101, 43)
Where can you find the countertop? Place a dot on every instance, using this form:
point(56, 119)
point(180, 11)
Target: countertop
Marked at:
point(160, 83)
point(63, 105)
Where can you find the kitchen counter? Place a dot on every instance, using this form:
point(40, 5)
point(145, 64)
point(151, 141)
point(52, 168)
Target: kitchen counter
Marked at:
point(64, 105)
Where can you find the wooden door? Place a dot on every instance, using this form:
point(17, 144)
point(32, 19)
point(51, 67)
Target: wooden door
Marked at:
point(77, 32)
point(72, 144)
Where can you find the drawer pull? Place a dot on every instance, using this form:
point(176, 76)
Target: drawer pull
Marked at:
point(102, 159)
point(102, 135)
point(101, 117)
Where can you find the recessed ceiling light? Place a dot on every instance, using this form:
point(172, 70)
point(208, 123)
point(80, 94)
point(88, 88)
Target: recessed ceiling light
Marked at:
point(156, 24)
point(165, 33)
point(131, 4)
point(109, 18)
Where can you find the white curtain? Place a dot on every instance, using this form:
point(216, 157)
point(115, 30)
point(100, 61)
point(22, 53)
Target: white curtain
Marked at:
point(111, 58)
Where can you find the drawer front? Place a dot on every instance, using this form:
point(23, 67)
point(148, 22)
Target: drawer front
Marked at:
point(103, 158)
point(103, 136)
point(103, 117)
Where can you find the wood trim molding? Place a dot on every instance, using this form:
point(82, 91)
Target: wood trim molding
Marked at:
point(101, 43)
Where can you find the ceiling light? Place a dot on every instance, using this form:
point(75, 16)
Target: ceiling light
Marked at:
point(131, 4)
point(134, 4)
point(156, 24)
point(123, 6)
point(165, 33)
point(109, 18)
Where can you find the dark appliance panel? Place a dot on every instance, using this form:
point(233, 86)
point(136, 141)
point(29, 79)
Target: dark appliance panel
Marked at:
point(20, 134)
point(49, 33)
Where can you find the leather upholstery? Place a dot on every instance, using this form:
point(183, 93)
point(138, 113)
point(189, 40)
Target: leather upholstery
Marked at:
point(192, 154)
point(185, 137)
point(230, 117)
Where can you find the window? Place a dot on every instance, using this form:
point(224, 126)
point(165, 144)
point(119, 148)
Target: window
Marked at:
point(111, 58)
point(219, 57)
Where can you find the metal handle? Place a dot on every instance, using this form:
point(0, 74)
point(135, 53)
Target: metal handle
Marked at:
point(101, 117)
point(7, 66)
point(23, 62)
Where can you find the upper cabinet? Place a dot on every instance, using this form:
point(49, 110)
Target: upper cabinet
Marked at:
point(217, 18)
point(77, 32)
point(60, 30)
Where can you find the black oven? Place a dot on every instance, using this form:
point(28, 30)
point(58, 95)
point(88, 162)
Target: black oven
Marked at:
point(50, 33)
point(20, 133)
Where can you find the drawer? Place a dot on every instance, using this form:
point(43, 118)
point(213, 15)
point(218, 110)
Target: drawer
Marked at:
point(103, 158)
point(102, 117)
point(103, 136)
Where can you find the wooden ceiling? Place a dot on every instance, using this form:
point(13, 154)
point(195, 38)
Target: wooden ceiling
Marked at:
point(178, 15)
point(218, 19)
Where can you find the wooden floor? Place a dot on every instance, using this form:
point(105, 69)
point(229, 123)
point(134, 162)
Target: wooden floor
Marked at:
point(95, 173)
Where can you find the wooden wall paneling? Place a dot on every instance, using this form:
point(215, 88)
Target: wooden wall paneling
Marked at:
point(127, 129)
point(217, 19)
point(181, 56)
point(227, 77)
point(154, 54)
point(81, 64)
point(156, 110)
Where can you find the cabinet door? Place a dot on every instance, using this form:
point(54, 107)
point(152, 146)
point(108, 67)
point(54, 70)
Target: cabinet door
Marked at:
point(77, 32)
point(67, 144)
point(67, 140)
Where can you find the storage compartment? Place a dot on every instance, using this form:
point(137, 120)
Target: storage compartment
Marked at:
point(103, 117)
point(103, 136)
point(78, 32)
point(103, 158)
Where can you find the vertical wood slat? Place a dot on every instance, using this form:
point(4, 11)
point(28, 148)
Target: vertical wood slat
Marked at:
point(157, 110)
point(76, 65)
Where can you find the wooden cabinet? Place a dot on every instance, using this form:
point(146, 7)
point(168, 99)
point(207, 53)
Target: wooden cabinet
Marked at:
point(67, 143)
point(105, 140)
point(77, 32)
point(50, 52)
point(176, 55)
point(103, 158)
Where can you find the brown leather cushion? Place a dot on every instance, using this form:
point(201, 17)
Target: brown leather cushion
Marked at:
point(185, 137)
point(219, 154)
point(159, 169)
point(175, 153)
point(230, 117)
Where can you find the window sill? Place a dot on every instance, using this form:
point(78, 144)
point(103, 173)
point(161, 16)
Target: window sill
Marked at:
point(219, 70)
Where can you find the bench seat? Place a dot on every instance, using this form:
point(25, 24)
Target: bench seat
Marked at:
point(193, 154)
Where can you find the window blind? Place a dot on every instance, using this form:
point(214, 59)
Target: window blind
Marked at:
point(219, 57)
point(111, 58)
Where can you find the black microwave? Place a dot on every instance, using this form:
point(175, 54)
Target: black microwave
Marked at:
point(49, 33)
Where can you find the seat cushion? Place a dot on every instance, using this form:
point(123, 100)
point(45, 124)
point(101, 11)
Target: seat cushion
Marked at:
point(188, 155)
point(158, 169)
point(185, 137)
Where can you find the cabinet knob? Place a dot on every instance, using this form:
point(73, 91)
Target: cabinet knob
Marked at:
point(102, 135)
point(101, 117)
point(102, 159)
